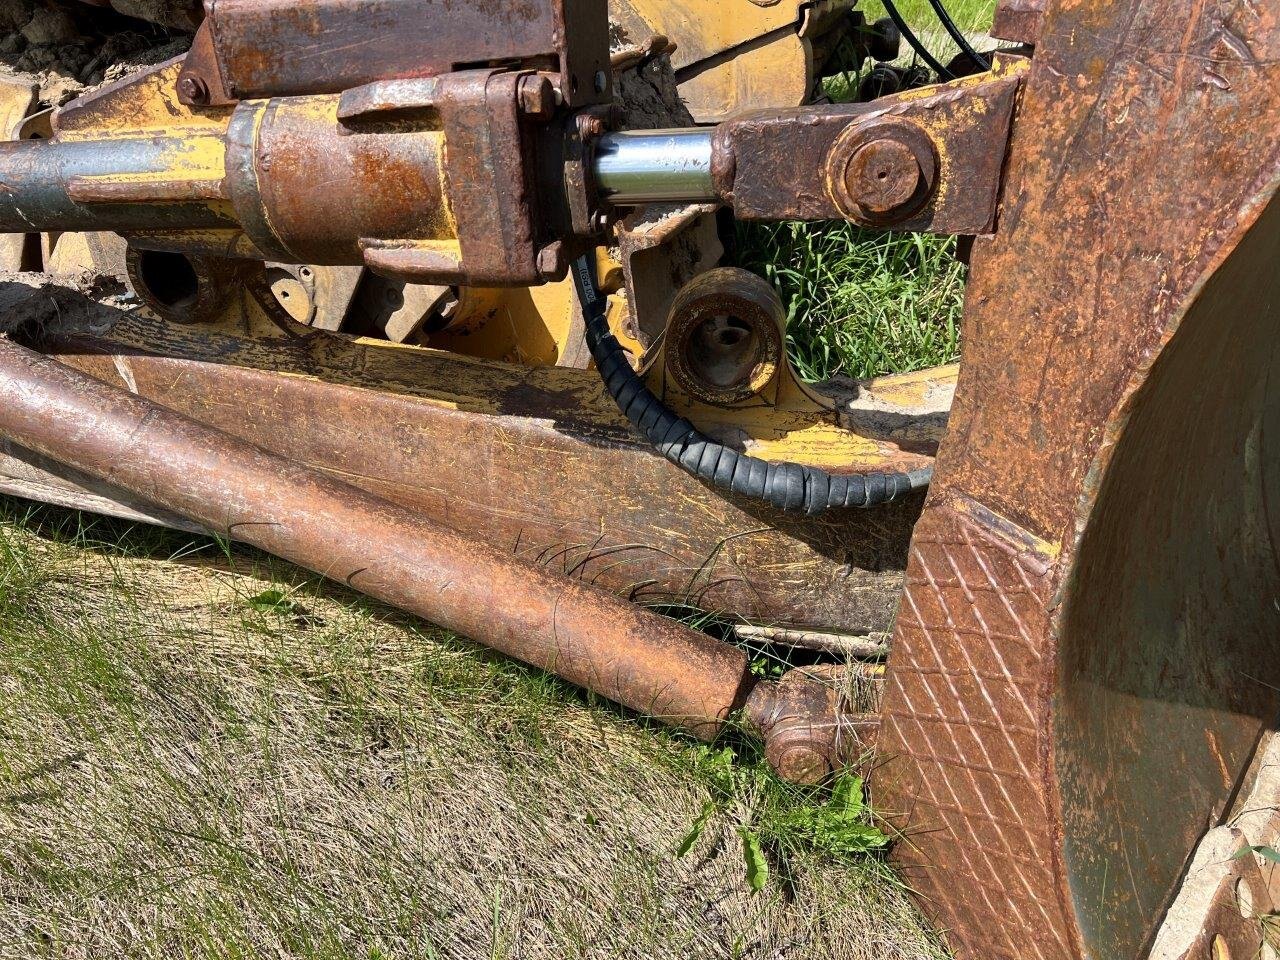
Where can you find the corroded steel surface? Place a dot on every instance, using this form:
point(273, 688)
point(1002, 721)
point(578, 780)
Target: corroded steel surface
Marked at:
point(726, 337)
point(562, 625)
point(537, 461)
point(580, 632)
point(1018, 20)
point(1085, 656)
point(793, 164)
point(964, 711)
point(275, 48)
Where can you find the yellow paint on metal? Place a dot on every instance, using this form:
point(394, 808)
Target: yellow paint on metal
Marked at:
point(783, 423)
point(912, 389)
point(538, 326)
point(1015, 535)
point(702, 28)
point(145, 104)
point(524, 325)
point(793, 428)
point(735, 55)
point(17, 98)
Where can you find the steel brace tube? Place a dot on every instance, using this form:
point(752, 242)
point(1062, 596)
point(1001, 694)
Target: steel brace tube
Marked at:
point(590, 637)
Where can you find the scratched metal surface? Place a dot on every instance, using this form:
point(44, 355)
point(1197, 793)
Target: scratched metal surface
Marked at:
point(1073, 712)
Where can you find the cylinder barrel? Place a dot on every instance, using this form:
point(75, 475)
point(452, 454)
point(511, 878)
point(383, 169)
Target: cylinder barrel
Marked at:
point(589, 637)
point(309, 189)
point(139, 183)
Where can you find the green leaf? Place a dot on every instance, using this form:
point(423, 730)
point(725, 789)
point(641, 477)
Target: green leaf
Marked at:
point(271, 601)
point(1266, 853)
point(757, 865)
point(857, 838)
point(721, 772)
point(696, 830)
point(846, 798)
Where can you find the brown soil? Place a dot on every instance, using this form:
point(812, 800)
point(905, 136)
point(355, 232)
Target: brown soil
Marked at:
point(68, 47)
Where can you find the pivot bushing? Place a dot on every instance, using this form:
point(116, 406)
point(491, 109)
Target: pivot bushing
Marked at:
point(726, 337)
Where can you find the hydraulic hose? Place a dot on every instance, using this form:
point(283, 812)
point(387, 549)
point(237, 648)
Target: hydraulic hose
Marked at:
point(921, 50)
point(981, 61)
point(790, 487)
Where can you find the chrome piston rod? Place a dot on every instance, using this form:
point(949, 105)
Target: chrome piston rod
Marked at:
point(655, 166)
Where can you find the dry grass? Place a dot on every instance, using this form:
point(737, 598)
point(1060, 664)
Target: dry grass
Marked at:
point(189, 769)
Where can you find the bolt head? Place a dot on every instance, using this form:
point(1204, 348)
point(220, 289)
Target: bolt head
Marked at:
point(552, 262)
point(537, 97)
point(193, 89)
point(882, 176)
point(801, 763)
point(591, 126)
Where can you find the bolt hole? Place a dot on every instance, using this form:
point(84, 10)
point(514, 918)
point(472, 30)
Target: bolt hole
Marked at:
point(724, 351)
point(170, 278)
point(306, 273)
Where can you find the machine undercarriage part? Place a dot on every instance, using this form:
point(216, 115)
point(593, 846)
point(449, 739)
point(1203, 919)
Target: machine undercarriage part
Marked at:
point(789, 487)
point(352, 249)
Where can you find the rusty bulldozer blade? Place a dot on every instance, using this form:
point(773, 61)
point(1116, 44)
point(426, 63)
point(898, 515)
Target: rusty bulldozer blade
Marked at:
point(1085, 661)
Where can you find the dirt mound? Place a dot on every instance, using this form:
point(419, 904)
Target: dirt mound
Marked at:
point(66, 48)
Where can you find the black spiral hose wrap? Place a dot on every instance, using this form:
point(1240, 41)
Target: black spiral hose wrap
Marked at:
point(790, 487)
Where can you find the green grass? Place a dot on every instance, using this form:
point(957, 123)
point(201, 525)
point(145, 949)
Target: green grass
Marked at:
point(206, 753)
point(971, 16)
point(860, 303)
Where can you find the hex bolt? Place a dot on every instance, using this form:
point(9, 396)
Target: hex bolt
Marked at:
point(882, 177)
point(193, 89)
point(537, 97)
point(591, 126)
point(553, 264)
